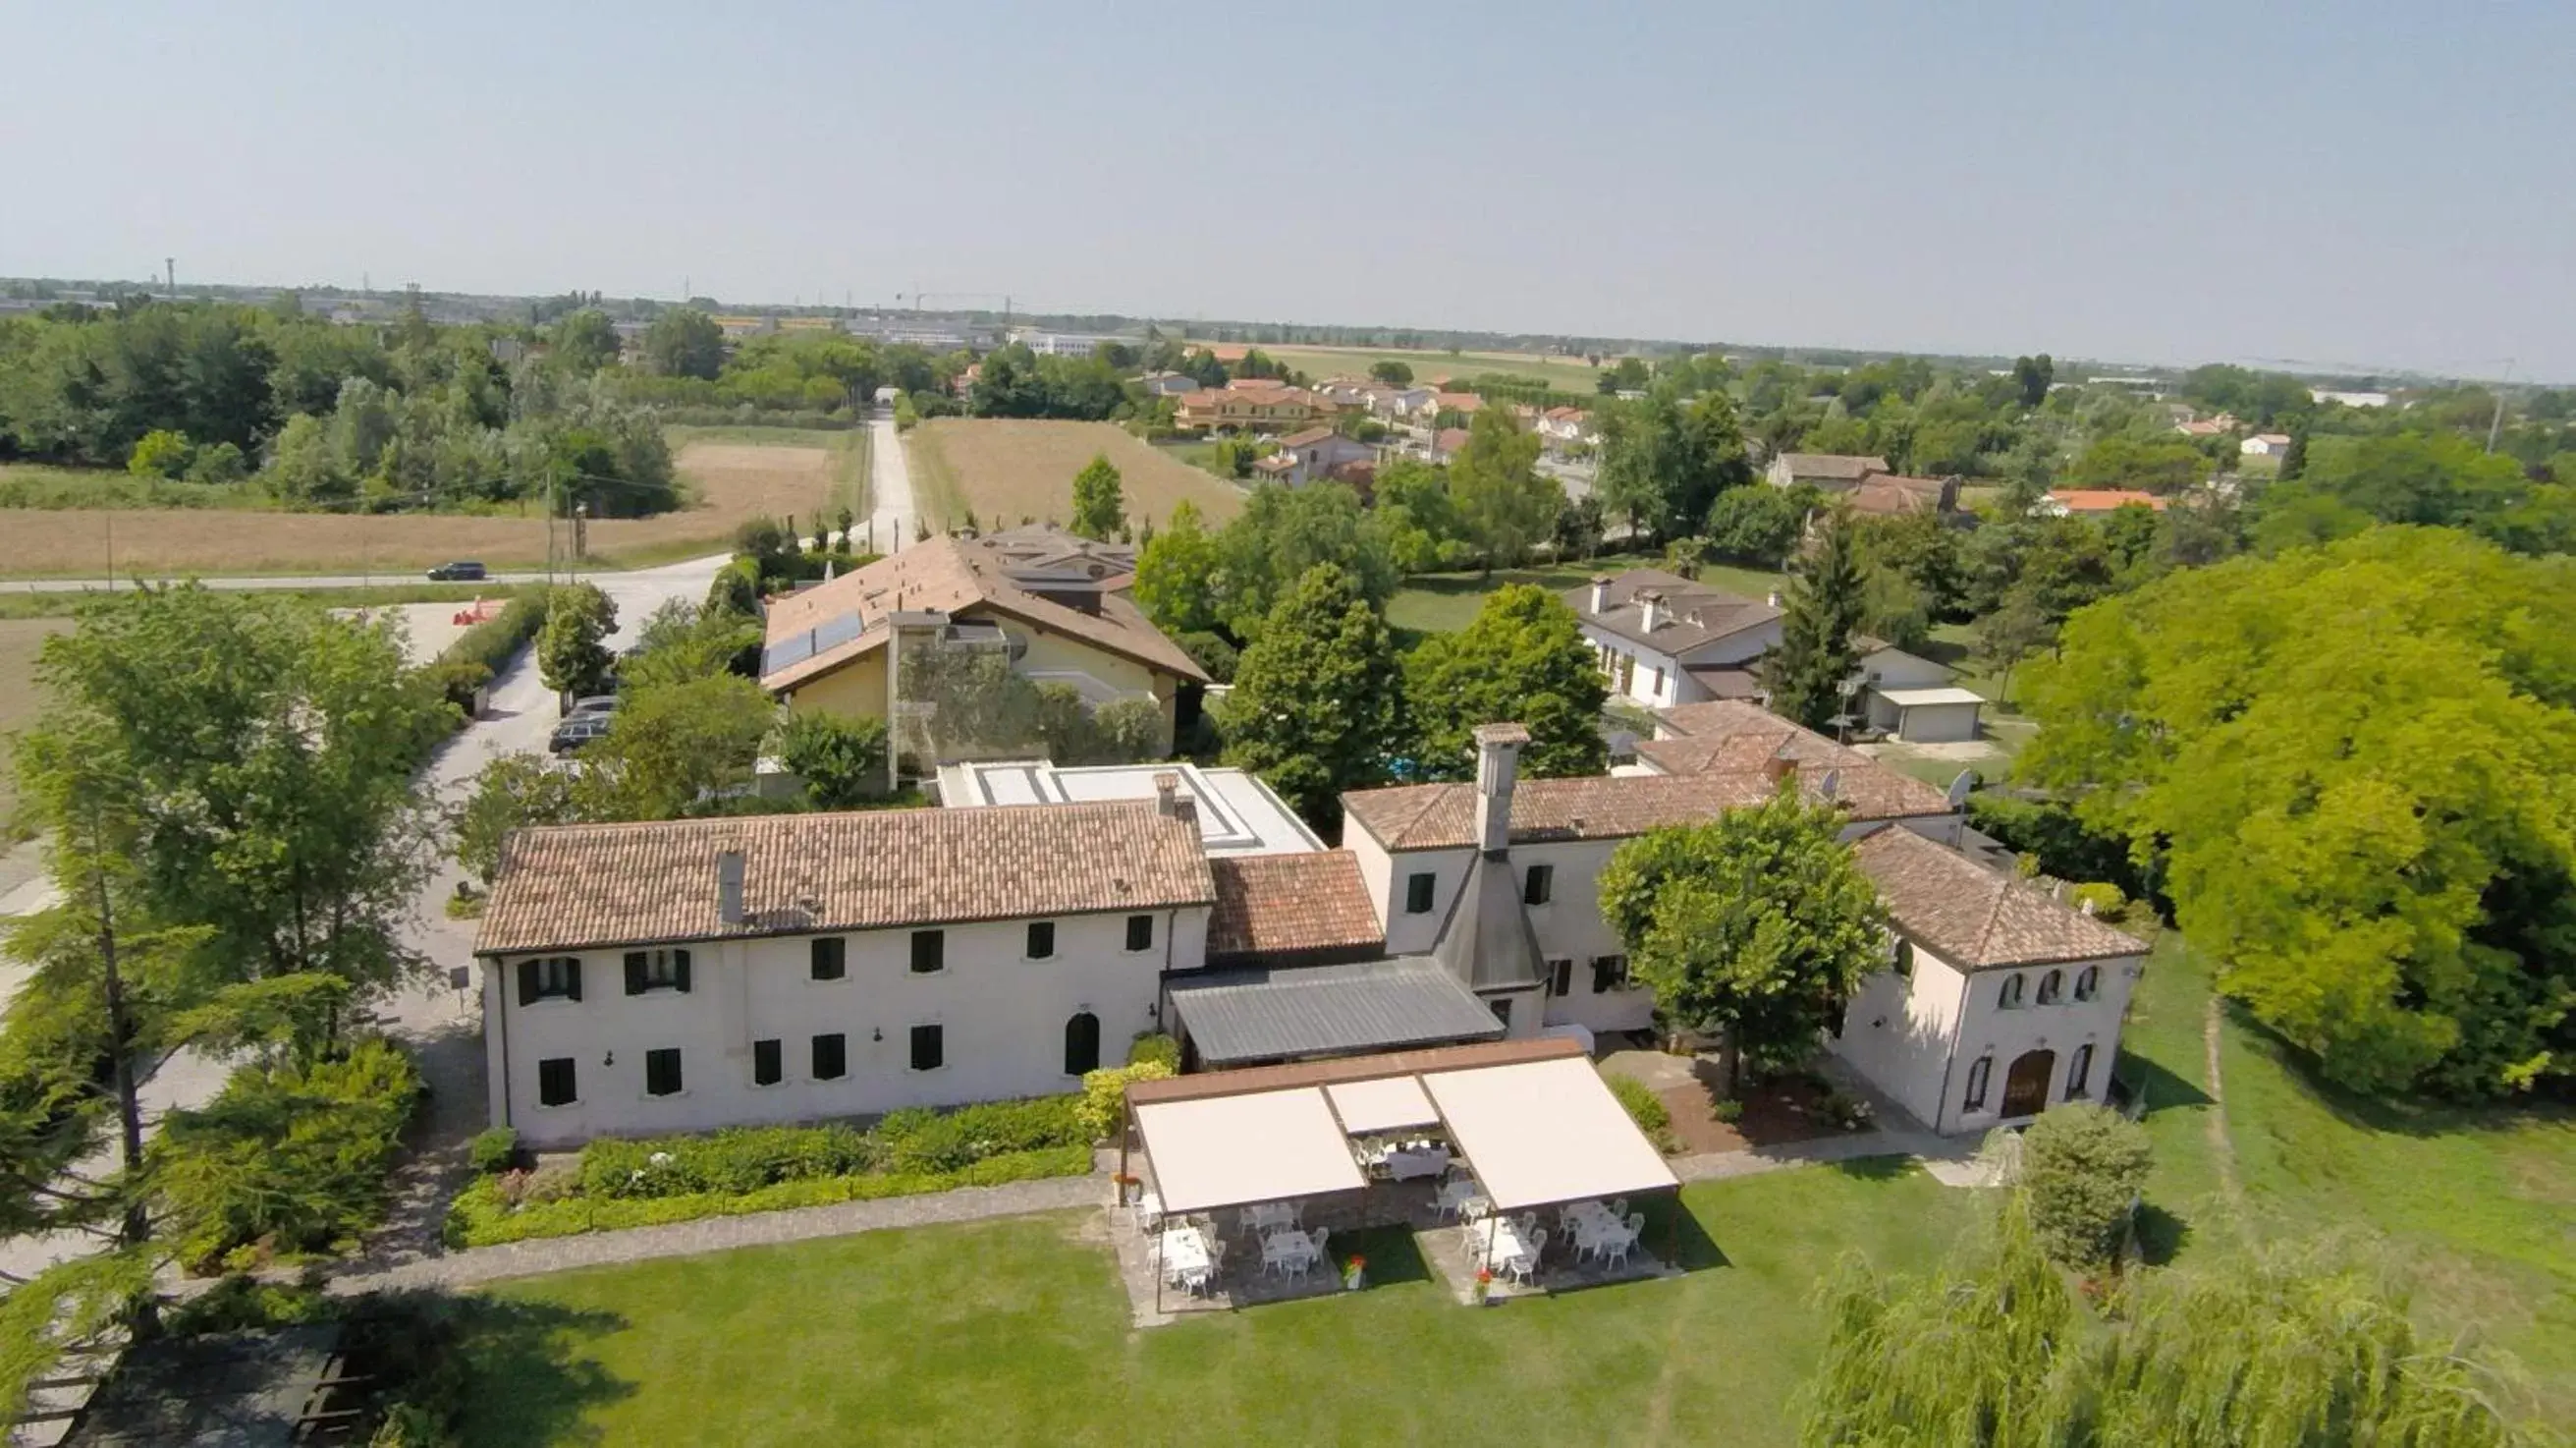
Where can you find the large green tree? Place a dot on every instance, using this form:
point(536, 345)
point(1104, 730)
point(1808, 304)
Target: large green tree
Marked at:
point(1282, 534)
point(684, 342)
point(1665, 459)
point(1176, 574)
point(1756, 925)
point(572, 649)
point(1805, 675)
point(253, 755)
point(2360, 764)
point(1503, 501)
point(1524, 660)
point(1317, 701)
point(674, 750)
point(2303, 1342)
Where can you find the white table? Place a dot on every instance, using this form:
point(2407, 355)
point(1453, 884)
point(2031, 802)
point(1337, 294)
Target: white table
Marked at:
point(1506, 1248)
point(1464, 1197)
point(1406, 1163)
point(1271, 1216)
point(1184, 1252)
point(1291, 1251)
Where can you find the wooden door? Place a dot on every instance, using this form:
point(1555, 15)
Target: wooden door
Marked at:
point(2026, 1085)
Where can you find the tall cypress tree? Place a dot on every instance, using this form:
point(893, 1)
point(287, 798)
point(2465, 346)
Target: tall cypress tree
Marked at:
point(1805, 673)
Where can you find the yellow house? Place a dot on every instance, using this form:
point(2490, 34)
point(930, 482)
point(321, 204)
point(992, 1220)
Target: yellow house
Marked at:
point(843, 646)
point(1247, 409)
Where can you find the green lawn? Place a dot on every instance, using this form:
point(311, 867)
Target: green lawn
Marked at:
point(1444, 602)
point(1017, 1332)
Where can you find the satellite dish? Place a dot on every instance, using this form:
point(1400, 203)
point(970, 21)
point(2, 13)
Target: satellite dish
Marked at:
point(1962, 787)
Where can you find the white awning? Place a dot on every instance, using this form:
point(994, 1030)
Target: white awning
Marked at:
point(1229, 1151)
point(1388, 1104)
point(1919, 698)
point(1546, 1132)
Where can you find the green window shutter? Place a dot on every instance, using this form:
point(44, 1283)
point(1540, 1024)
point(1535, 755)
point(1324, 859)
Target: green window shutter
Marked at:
point(680, 969)
point(527, 982)
point(572, 977)
point(635, 968)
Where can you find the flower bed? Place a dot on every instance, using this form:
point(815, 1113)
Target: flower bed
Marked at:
point(624, 1183)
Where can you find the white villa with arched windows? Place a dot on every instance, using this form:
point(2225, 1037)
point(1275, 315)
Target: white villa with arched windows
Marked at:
point(1998, 1002)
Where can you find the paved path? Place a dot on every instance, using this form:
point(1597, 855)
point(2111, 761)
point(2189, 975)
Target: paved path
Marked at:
point(717, 1234)
point(891, 514)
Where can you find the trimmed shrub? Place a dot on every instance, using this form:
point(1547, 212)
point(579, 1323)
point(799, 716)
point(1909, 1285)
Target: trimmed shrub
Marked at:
point(495, 1150)
point(1728, 1110)
point(747, 1159)
point(2081, 1166)
point(2107, 899)
point(1644, 1108)
point(1104, 1095)
point(1155, 1046)
point(480, 652)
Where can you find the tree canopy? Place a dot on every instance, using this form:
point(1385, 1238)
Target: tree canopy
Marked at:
point(1504, 502)
point(2357, 761)
point(1317, 701)
point(1758, 923)
point(1522, 660)
point(1806, 673)
point(1099, 503)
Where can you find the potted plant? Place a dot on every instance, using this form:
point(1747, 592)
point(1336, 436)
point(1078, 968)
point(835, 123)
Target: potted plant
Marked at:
point(1354, 1273)
point(1484, 1285)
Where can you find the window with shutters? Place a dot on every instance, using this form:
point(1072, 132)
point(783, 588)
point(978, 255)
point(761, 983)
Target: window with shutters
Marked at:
point(554, 977)
point(831, 1057)
point(1538, 884)
point(929, 1048)
point(767, 1067)
point(929, 951)
point(1560, 977)
point(831, 957)
point(1977, 1077)
point(1900, 958)
point(1140, 932)
point(662, 1072)
point(1041, 940)
point(1418, 888)
point(1081, 1043)
point(1609, 973)
point(555, 1082)
point(663, 969)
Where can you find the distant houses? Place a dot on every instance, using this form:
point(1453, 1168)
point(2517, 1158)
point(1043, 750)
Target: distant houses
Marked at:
point(1318, 453)
point(2094, 502)
point(1863, 483)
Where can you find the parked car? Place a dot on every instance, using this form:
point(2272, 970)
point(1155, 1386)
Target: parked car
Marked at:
point(601, 705)
point(576, 734)
point(462, 571)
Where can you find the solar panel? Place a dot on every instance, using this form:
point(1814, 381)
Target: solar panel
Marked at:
point(836, 630)
point(787, 651)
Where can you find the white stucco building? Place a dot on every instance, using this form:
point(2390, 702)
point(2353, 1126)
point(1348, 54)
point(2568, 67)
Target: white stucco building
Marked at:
point(1663, 639)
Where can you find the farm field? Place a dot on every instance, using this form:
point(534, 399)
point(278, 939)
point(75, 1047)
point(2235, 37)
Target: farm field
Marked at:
point(733, 480)
point(1570, 373)
point(1005, 469)
point(20, 638)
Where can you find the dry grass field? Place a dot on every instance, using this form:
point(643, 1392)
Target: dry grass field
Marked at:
point(1007, 469)
point(1569, 373)
point(733, 481)
point(20, 638)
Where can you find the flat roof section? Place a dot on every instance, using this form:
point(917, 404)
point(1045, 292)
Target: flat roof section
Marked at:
point(1546, 1132)
point(1238, 814)
point(1389, 1104)
point(1917, 698)
point(1246, 1017)
point(1231, 1151)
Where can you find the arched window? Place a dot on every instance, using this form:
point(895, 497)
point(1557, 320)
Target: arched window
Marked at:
point(1081, 1043)
point(2079, 1074)
point(1977, 1076)
point(2051, 986)
point(2009, 996)
point(2088, 982)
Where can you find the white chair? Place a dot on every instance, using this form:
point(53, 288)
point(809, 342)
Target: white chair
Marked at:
point(1525, 1266)
point(1314, 1250)
point(1148, 1211)
point(1196, 1281)
point(1619, 1207)
point(1614, 1251)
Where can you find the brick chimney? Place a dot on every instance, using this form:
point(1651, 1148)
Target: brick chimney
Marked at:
point(1650, 605)
point(1600, 594)
point(1498, 763)
point(1167, 794)
point(1778, 767)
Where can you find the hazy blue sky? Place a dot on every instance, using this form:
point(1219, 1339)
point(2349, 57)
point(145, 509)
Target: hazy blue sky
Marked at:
point(2360, 182)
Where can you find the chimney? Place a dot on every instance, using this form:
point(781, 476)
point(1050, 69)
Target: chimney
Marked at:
point(1600, 594)
point(1778, 767)
point(1167, 794)
point(1498, 762)
point(1772, 598)
point(1650, 604)
point(729, 886)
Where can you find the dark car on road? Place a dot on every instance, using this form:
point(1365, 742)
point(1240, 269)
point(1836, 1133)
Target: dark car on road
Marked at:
point(576, 733)
point(463, 571)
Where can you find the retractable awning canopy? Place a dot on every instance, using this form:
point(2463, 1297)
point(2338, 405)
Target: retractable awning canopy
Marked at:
point(1391, 1103)
point(1231, 1151)
point(1546, 1132)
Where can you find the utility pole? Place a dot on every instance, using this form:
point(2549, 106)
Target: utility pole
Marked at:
point(170, 270)
point(2495, 424)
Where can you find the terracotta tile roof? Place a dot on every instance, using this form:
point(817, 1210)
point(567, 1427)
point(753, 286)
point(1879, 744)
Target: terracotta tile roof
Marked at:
point(1458, 401)
point(953, 575)
point(1974, 917)
point(1731, 735)
point(574, 887)
point(1599, 807)
point(1892, 495)
point(1692, 615)
point(1291, 905)
point(1449, 441)
point(2102, 500)
point(1838, 467)
point(1300, 439)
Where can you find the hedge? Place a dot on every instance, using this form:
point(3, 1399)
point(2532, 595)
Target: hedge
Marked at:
point(483, 1217)
point(481, 651)
point(745, 1159)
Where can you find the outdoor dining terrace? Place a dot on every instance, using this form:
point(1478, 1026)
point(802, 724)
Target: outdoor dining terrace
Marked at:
point(1504, 1170)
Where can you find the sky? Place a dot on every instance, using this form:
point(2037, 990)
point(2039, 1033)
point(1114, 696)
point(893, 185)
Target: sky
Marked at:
point(2365, 184)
